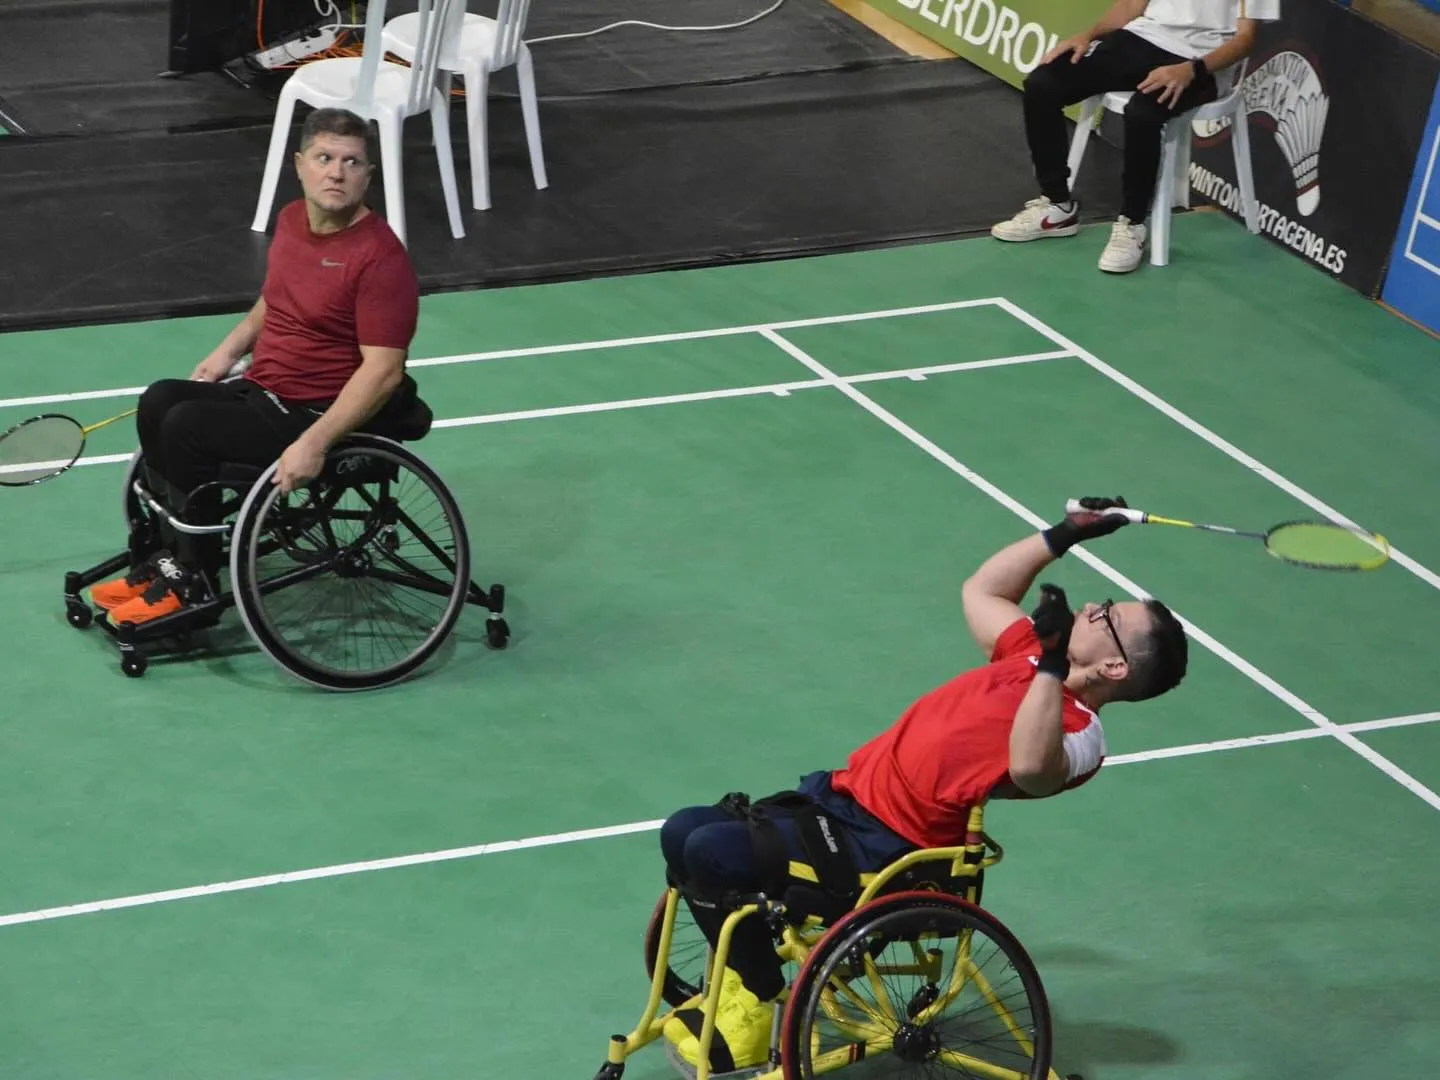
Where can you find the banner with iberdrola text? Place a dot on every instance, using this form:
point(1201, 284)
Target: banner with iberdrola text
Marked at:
point(1004, 37)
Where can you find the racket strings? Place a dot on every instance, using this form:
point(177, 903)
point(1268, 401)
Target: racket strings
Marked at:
point(39, 448)
point(1324, 544)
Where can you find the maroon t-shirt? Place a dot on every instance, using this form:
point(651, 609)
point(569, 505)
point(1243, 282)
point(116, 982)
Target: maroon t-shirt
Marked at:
point(325, 296)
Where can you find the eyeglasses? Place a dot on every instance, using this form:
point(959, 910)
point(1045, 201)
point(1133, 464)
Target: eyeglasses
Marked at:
point(1103, 612)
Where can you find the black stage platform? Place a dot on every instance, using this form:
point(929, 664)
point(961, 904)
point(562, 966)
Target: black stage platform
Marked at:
point(801, 134)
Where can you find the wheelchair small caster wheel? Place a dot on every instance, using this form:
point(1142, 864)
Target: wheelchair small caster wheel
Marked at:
point(610, 1071)
point(133, 664)
point(497, 633)
point(78, 615)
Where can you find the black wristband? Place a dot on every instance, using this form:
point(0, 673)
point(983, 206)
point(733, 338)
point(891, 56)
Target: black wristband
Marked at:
point(1054, 663)
point(1061, 537)
point(1200, 68)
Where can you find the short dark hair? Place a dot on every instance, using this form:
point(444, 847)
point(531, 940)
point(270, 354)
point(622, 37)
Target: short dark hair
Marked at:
point(1159, 655)
point(337, 122)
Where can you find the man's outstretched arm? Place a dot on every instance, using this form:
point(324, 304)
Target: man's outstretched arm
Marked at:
point(992, 594)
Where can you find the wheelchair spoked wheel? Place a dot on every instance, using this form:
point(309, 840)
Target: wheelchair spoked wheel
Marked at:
point(689, 953)
point(354, 581)
point(926, 980)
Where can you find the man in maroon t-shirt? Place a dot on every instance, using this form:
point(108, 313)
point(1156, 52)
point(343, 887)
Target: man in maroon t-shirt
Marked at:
point(1025, 725)
point(328, 337)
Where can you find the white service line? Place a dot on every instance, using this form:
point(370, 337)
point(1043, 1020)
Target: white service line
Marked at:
point(1192, 425)
point(1312, 714)
point(82, 395)
point(776, 389)
point(782, 389)
point(97, 459)
point(699, 335)
point(580, 346)
point(478, 850)
point(315, 874)
point(1268, 740)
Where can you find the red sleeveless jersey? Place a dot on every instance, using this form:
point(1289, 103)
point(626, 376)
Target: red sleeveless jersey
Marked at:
point(325, 296)
point(951, 749)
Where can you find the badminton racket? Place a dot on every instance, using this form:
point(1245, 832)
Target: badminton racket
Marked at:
point(45, 446)
point(1319, 545)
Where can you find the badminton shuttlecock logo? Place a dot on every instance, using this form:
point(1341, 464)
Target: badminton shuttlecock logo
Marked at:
point(1287, 92)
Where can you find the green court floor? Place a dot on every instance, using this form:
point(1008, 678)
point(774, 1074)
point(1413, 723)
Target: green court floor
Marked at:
point(733, 509)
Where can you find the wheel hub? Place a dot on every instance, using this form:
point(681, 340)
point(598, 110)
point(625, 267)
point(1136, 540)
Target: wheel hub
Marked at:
point(352, 564)
point(916, 1042)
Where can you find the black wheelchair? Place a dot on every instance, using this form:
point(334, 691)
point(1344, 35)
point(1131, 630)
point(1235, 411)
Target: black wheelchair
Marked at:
point(350, 582)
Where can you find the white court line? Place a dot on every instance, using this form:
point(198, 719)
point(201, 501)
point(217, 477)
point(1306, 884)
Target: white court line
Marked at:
point(779, 389)
point(479, 850)
point(1194, 426)
point(83, 395)
point(581, 346)
point(97, 459)
point(316, 873)
point(1381, 762)
point(1270, 740)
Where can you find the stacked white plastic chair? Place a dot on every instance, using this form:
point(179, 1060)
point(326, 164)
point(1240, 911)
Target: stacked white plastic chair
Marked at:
point(387, 93)
point(483, 46)
point(1173, 185)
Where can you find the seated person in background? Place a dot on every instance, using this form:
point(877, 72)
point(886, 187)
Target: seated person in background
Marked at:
point(1025, 725)
point(329, 337)
point(1167, 52)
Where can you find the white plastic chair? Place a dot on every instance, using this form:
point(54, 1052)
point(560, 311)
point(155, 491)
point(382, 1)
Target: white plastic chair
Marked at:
point(389, 94)
point(1173, 185)
point(483, 46)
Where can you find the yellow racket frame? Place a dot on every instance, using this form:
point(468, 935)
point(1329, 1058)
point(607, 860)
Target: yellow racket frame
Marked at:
point(84, 434)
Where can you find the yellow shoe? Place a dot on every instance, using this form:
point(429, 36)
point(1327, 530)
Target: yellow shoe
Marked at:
point(742, 1028)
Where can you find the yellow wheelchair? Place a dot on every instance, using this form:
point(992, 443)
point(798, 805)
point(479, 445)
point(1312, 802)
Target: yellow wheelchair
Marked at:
point(868, 980)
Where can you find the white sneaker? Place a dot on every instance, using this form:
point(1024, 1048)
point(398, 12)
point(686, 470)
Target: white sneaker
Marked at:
point(1125, 249)
point(1040, 219)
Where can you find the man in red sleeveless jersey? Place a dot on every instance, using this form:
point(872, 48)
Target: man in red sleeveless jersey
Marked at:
point(328, 339)
point(1025, 725)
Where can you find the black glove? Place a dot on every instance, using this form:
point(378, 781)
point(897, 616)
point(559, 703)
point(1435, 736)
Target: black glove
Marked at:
point(1053, 621)
point(1078, 527)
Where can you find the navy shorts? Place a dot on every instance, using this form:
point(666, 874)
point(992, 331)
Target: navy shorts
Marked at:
point(706, 846)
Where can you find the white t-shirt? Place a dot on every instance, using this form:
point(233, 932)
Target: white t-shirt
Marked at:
point(1195, 28)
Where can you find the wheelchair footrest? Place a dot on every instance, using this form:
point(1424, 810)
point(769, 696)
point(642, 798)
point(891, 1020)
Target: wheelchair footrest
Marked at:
point(76, 581)
point(201, 615)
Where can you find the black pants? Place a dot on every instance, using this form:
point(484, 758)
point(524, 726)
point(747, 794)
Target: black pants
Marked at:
point(189, 429)
point(1120, 61)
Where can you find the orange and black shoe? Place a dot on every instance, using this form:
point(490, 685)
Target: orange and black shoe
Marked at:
point(167, 592)
point(110, 595)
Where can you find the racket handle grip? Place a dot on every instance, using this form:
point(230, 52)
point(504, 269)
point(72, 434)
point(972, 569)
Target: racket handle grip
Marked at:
point(1136, 516)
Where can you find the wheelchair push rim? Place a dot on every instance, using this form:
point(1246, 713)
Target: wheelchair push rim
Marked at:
point(382, 542)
